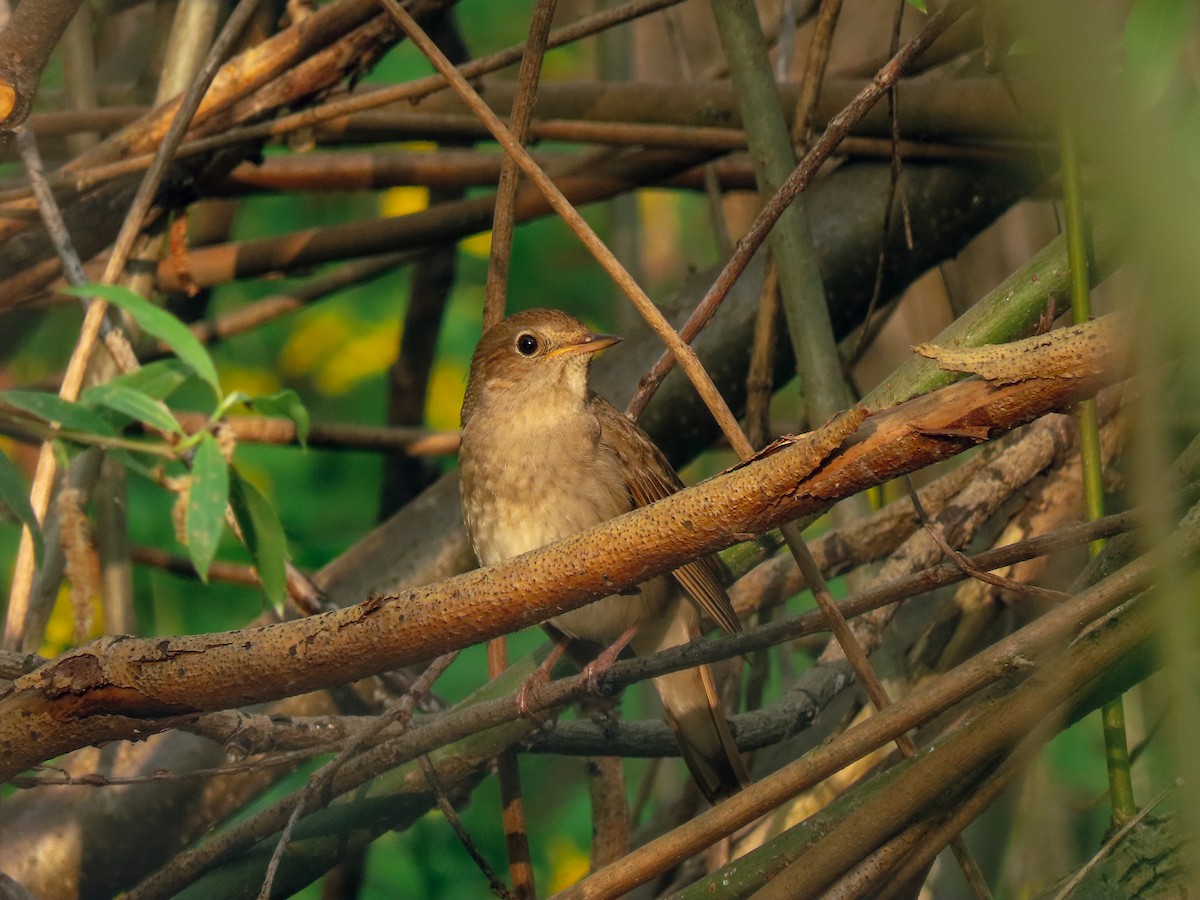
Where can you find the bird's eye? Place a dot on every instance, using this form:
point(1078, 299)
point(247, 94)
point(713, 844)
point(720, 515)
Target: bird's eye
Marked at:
point(527, 345)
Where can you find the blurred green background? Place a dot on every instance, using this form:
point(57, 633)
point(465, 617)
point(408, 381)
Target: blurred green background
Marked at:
point(336, 354)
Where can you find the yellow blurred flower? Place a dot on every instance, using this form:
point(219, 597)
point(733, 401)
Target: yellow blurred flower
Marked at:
point(363, 356)
point(447, 384)
point(315, 336)
point(403, 201)
point(255, 382)
point(478, 245)
point(568, 863)
point(337, 351)
point(59, 635)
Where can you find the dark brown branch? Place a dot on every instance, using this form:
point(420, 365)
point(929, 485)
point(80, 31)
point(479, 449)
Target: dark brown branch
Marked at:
point(25, 46)
point(216, 265)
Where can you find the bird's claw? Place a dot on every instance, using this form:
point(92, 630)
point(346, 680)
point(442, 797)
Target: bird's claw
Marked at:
point(594, 671)
point(525, 693)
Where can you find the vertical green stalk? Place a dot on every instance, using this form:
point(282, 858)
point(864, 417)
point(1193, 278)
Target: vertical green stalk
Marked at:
point(1116, 745)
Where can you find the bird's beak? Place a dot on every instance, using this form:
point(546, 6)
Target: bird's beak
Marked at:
point(593, 343)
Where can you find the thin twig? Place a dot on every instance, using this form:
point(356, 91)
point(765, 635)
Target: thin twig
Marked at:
point(285, 838)
point(800, 178)
point(815, 65)
point(52, 216)
point(64, 778)
point(316, 792)
point(762, 360)
point(504, 217)
point(893, 185)
point(841, 629)
point(332, 435)
point(345, 170)
point(495, 883)
point(268, 309)
point(712, 185)
point(687, 358)
point(231, 573)
point(935, 532)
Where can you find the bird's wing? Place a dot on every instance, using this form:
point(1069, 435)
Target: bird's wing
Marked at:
point(649, 477)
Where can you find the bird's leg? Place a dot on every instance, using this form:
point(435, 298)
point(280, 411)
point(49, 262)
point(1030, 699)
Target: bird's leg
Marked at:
point(541, 674)
point(598, 666)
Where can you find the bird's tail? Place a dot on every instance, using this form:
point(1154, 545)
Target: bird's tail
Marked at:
point(695, 715)
point(693, 710)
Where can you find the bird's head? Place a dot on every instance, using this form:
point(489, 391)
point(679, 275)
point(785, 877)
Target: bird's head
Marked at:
point(539, 357)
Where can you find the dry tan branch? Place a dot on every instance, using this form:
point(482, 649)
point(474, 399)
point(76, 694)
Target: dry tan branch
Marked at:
point(117, 687)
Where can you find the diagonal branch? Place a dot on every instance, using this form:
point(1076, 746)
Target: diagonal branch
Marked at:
point(117, 687)
point(800, 178)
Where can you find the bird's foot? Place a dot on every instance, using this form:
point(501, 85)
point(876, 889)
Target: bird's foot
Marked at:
point(596, 668)
point(527, 691)
point(593, 671)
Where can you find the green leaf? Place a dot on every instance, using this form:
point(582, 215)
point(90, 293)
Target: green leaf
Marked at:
point(918, 4)
point(285, 403)
point(52, 408)
point(233, 398)
point(134, 404)
point(133, 464)
point(207, 499)
point(157, 380)
point(157, 322)
point(263, 534)
point(14, 495)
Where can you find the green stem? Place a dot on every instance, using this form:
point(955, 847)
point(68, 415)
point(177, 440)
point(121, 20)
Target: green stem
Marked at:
point(1116, 743)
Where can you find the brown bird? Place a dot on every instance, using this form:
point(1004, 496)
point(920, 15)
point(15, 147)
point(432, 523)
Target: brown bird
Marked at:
point(542, 458)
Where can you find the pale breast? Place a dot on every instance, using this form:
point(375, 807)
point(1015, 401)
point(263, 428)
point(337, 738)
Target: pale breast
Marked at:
point(549, 483)
point(531, 486)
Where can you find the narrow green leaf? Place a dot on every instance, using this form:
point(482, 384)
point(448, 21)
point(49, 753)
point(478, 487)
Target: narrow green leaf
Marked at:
point(230, 400)
point(918, 4)
point(207, 499)
point(285, 403)
point(263, 533)
point(157, 380)
point(157, 322)
point(134, 404)
point(15, 496)
point(133, 464)
point(52, 408)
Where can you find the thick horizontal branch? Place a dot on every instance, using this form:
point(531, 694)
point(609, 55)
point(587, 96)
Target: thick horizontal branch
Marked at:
point(377, 169)
point(620, 737)
point(119, 687)
point(335, 436)
point(253, 734)
point(943, 109)
point(441, 223)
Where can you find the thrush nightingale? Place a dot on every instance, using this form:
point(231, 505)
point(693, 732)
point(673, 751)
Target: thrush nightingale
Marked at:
point(543, 458)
